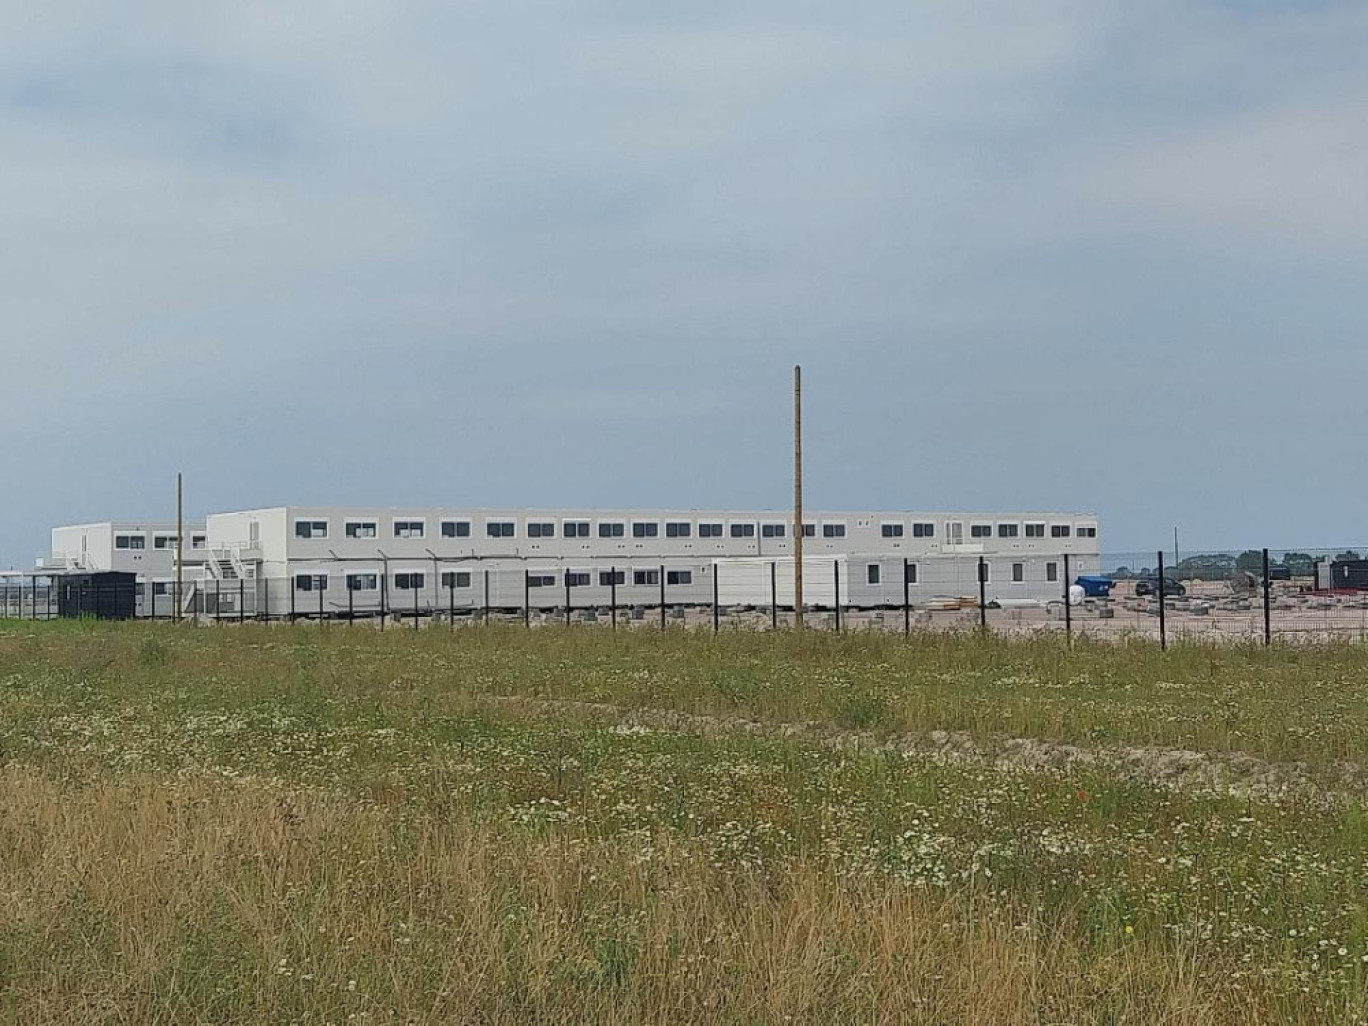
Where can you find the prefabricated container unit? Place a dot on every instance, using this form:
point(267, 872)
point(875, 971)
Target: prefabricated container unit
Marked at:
point(317, 561)
point(1349, 575)
point(112, 595)
point(752, 582)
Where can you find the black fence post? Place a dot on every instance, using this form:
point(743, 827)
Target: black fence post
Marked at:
point(662, 596)
point(527, 597)
point(218, 601)
point(291, 582)
point(1163, 626)
point(567, 598)
point(415, 605)
point(716, 609)
point(836, 592)
point(612, 595)
point(351, 605)
point(1267, 601)
point(1068, 603)
point(983, 593)
point(242, 601)
point(451, 598)
point(486, 597)
point(384, 595)
point(774, 595)
point(907, 601)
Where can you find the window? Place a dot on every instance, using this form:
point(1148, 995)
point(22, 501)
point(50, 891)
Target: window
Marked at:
point(1018, 572)
point(985, 571)
point(455, 528)
point(361, 529)
point(408, 580)
point(743, 530)
point(541, 580)
point(645, 530)
point(980, 530)
point(455, 579)
point(311, 582)
point(679, 529)
point(833, 530)
point(577, 578)
point(646, 577)
point(1008, 530)
point(500, 528)
point(363, 582)
point(161, 588)
point(891, 530)
point(1059, 530)
point(923, 530)
point(541, 529)
point(198, 541)
point(311, 528)
point(1051, 571)
point(774, 530)
point(911, 573)
point(409, 528)
point(130, 541)
point(612, 529)
point(710, 530)
point(164, 541)
point(872, 573)
point(809, 530)
point(679, 577)
point(1087, 532)
point(576, 528)
point(608, 578)
point(1035, 530)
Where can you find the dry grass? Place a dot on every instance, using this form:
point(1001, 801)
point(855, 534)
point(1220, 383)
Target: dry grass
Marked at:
point(489, 826)
point(196, 900)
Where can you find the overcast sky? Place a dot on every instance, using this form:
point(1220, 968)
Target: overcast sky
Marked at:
point(1080, 254)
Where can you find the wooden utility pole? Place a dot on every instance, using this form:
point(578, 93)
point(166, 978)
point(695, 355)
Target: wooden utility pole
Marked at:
point(180, 545)
point(798, 497)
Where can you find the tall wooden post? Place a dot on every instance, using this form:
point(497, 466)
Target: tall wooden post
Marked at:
point(180, 546)
point(798, 497)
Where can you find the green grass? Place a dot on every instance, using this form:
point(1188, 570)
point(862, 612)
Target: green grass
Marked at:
point(629, 808)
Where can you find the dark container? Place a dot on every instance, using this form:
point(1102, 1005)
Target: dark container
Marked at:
point(1349, 575)
point(104, 596)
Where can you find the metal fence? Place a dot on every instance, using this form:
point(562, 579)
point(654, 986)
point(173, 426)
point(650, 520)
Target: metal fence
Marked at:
point(1238, 596)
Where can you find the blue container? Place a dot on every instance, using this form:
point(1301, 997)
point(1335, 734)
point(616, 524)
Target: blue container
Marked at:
point(1095, 587)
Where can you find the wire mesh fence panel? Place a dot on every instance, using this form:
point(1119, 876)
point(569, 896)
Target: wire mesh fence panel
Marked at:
point(1238, 595)
point(1024, 594)
point(1318, 594)
point(27, 597)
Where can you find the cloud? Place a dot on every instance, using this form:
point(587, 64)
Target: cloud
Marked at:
point(259, 218)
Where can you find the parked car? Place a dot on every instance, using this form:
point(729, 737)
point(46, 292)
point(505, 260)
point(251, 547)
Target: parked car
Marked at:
point(1150, 586)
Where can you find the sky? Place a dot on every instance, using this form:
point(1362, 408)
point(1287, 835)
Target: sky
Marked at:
point(1095, 255)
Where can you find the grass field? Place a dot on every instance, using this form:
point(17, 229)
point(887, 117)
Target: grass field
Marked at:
point(565, 825)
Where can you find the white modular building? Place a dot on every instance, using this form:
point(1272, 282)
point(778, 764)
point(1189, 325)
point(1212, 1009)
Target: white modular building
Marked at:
point(330, 562)
point(145, 548)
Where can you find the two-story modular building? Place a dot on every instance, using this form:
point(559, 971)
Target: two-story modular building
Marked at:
point(336, 562)
point(147, 549)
